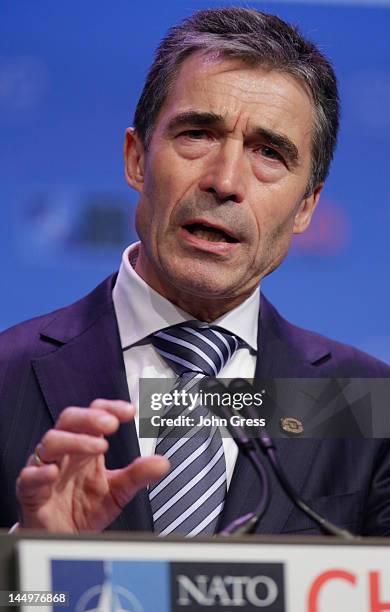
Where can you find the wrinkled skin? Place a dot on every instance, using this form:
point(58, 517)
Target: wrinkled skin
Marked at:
point(226, 173)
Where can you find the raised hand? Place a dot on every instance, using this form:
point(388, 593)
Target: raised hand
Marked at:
point(65, 486)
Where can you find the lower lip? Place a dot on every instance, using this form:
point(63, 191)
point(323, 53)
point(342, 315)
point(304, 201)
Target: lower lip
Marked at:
point(206, 245)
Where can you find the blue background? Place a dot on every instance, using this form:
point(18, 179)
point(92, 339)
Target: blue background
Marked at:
point(70, 75)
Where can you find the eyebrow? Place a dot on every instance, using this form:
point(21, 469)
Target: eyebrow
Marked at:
point(196, 119)
point(202, 119)
point(279, 141)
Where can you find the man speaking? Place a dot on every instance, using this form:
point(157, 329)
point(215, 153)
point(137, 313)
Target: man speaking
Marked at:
point(234, 134)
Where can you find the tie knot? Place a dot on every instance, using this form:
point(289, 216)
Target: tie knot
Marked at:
point(195, 347)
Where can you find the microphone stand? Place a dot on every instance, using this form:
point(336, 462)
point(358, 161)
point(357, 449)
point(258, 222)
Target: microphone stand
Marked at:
point(266, 446)
point(249, 522)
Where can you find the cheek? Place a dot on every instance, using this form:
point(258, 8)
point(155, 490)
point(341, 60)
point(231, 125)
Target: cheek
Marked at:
point(276, 208)
point(274, 228)
point(170, 177)
point(161, 169)
point(141, 221)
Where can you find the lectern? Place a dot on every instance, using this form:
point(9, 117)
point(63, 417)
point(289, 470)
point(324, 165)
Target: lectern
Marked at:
point(142, 573)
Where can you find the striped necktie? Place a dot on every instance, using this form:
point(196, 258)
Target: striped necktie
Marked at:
point(190, 498)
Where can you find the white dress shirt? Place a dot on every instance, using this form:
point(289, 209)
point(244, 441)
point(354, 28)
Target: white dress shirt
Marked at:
point(141, 311)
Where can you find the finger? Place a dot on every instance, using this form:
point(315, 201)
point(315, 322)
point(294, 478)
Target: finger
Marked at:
point(89, 421)
point(34, 484)
point(125, 483)
point(124, 411)
point(56, 443)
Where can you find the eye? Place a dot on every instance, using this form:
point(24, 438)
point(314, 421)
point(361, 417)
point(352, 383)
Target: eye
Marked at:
point(195, 134)
point(270, 153)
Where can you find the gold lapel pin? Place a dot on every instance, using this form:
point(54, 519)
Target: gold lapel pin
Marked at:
point(291, 425)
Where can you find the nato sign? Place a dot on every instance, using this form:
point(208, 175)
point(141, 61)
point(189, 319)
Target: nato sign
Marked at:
point(151, 586)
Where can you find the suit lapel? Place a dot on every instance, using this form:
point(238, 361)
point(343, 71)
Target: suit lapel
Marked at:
point(279, 357)
point(88, 364)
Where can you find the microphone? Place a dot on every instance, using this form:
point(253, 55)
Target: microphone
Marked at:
point(260, 445)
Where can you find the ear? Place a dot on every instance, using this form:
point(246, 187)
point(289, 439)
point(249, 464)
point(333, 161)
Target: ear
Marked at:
point(306, 210)
point(134, 152)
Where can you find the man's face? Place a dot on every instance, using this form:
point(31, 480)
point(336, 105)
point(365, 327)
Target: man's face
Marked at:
point(222, 184)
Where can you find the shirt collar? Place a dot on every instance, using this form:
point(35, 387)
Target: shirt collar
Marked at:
point(141, 311)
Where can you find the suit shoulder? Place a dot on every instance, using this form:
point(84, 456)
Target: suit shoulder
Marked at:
point(23, 337)
point(346, 360)
point(35, 337)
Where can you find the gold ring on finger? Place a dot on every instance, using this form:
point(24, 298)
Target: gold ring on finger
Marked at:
point(39, 461)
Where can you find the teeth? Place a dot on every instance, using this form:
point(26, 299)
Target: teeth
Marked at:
point(211, 235)
point(208, 233)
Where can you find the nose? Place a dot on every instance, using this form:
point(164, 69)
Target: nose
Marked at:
point(224, 175)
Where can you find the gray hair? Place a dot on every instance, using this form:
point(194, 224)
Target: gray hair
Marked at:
point(257, 39)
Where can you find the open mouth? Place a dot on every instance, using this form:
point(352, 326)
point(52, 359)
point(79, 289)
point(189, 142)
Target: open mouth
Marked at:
point(211, 234)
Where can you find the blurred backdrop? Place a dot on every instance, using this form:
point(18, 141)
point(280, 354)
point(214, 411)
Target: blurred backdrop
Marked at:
point(70, 76)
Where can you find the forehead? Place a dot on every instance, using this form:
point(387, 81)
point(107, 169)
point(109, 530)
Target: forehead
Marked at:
point(247, 97)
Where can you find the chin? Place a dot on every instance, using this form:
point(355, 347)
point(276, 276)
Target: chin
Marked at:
point(202, 283)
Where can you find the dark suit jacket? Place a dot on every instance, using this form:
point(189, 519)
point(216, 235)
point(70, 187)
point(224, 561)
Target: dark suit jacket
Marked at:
point(73, 356)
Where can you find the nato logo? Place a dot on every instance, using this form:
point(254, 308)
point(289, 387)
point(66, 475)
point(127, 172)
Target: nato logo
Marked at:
point(113, 586)
point(227, 585)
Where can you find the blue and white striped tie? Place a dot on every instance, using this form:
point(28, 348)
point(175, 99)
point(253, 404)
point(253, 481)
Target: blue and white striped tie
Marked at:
point(190, 498)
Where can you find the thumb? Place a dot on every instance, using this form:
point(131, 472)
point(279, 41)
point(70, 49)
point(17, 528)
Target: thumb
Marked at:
point(126, 482)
